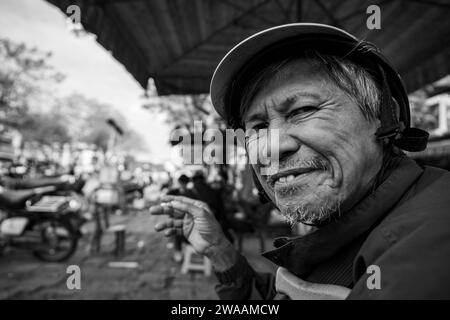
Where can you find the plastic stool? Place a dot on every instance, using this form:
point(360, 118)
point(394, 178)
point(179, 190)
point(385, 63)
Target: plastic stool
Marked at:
point(190, 265)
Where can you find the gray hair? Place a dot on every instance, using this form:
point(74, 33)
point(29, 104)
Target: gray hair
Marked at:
point(351, 78)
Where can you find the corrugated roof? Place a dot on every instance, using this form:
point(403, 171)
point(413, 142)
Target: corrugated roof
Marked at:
point(178, 43)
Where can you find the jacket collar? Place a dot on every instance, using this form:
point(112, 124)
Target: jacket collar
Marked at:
point(302, 254)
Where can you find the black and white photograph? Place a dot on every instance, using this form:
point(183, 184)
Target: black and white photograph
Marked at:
point(195, 150)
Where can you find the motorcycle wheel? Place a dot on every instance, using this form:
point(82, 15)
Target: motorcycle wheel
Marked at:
point(58, 239)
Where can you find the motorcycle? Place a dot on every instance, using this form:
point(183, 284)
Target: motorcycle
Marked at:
point(49, 225)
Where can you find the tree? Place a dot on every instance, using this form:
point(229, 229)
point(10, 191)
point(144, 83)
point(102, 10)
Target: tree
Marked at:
point(184, 112)
point(77, 118)
point(86, 118)
point(181, 110)
point(45, 129)
point(25, 78)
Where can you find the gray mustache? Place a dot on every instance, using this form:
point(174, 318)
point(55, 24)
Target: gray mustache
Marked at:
point(313, 163)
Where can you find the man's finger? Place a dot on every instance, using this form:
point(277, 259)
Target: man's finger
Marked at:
point(170, 232)
point(197, 203)
point(189, 208)
point(167, 209)
point(178, 223)
point(161, 209)
point(177, 209)
point(164, 225)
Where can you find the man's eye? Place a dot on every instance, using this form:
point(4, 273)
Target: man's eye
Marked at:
point(254, 132)
point(303, 111)
point(260, 126)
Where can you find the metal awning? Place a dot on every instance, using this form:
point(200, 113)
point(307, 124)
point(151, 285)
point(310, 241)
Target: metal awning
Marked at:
point(178, 43)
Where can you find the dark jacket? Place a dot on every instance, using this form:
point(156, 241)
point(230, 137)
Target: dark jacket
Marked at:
point(403, 227)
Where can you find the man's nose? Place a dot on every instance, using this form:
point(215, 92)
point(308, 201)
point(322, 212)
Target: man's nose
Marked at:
point(286, 144)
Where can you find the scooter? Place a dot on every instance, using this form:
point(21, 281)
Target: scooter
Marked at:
point(48, 225)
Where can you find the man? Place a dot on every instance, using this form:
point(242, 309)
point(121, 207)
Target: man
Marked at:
point(380, 223)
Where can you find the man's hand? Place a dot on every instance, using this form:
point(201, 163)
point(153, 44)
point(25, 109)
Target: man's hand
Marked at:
point(197, 223)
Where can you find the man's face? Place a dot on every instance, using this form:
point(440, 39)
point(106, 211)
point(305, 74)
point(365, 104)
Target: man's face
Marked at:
point(328, 154)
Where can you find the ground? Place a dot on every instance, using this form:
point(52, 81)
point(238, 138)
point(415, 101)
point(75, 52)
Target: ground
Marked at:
point(157, 276)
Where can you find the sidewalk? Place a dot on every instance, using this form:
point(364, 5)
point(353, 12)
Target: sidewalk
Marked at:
point(156, 277)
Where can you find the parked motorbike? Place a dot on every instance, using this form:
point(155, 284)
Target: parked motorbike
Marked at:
point(38, 220)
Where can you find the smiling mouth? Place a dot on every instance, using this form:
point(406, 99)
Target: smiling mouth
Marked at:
point(287, 176)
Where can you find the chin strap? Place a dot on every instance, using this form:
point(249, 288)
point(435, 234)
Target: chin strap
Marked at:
point(390, 125)
point(393, 130)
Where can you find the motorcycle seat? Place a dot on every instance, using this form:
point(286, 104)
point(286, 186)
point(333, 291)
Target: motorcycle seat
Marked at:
point(15, 199)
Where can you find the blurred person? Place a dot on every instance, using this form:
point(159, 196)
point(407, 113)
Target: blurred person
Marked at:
point(103, 193)
point(183, 189)
point(227, 193)
point(205, 193)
